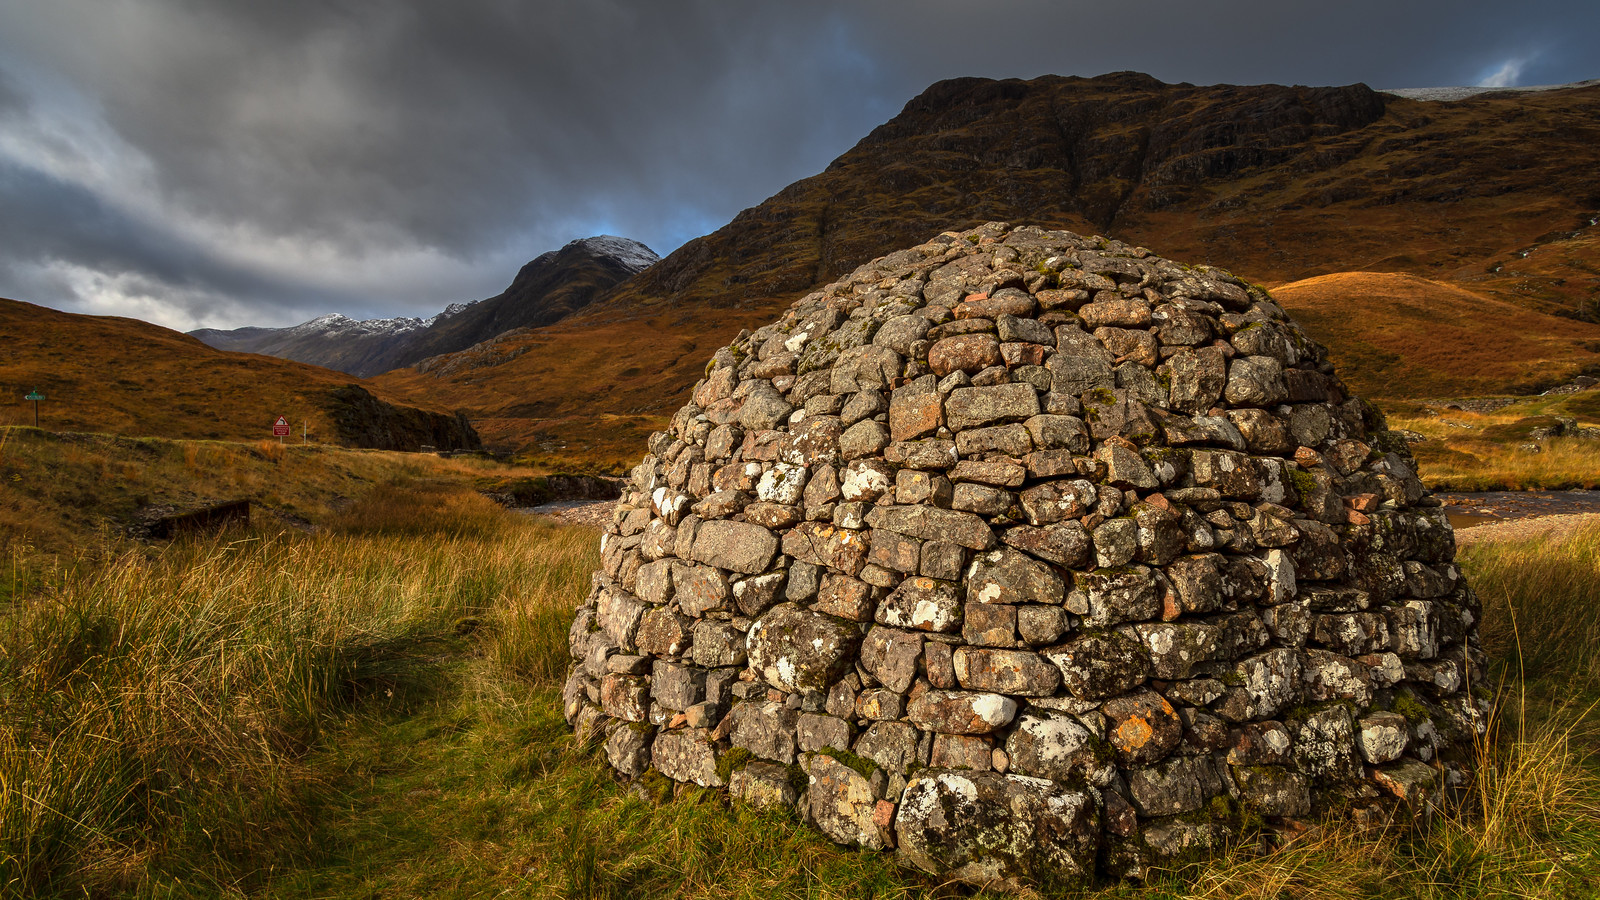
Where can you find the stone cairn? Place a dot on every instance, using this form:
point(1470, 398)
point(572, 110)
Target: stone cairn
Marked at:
point(1026, 554)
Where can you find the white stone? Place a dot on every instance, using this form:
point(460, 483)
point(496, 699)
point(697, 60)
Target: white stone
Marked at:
point(783, 483)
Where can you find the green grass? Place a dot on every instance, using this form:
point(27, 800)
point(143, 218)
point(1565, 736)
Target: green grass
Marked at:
point(373, 711)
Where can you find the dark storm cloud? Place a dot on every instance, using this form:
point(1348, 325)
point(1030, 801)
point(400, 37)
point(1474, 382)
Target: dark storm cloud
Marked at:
point(223, 163)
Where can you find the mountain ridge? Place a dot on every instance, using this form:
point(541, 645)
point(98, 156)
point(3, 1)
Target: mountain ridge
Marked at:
point(130, 377)
point(545, 289)
point(1275, 183)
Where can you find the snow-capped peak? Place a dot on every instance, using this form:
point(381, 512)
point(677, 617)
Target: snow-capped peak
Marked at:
point(629, 252)
point(336, 323)
point(449, 311)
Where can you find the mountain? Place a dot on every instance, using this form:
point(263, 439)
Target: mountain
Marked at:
point(124, 376)
point(356, 346)
point(1493, 194)
point(550, 287)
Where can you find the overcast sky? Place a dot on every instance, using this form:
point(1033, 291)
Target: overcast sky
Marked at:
point(216, 164)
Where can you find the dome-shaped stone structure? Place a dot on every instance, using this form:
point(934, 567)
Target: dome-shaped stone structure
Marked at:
point(1018, 551)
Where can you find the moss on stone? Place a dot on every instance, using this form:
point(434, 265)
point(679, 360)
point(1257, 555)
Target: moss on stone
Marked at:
point(732, 761)
point(862, 766)
point(798, 779)
point(1303, 481)
point(1408, 706)
point(656, 787)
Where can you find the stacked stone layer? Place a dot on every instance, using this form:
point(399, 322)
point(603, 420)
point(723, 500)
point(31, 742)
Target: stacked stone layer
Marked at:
point(1019, 551)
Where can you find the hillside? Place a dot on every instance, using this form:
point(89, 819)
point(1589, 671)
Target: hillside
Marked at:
point(1396, 335)
point(552, 286)
point(1278, 184)
point(124, 376)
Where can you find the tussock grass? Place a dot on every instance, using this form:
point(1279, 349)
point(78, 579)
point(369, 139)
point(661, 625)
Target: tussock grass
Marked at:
point(1541, 605)
point(374, 710)
point(156, 710)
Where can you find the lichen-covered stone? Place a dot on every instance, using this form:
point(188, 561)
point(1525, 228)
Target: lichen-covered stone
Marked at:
point(961, 712)
point(795, 650)
point(842, 803)
point(1058, 747)
point(1142, 726)
point(1020, 673)
point(687, 756)
point(892, 745)
point(763, 785)
point(933, 524)
point(977, 406)
point(925, 604)
point(737, 546)
point(628, 746)
point(766, 729)
point(1111, 596)
point(996, 830)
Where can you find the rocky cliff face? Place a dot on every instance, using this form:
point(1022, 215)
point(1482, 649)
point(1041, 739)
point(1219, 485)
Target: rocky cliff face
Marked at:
point(548, 289)
point(1274, 181)
point(361, 420)
point(545, 290)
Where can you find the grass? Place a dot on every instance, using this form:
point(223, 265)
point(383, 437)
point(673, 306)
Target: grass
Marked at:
point(59, 491)
point(1472, 451)
point(160, 708)
point(373, 710)
point(1390, 332)
point(107, 373)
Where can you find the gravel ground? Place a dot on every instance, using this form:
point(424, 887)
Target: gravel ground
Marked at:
point(591, 513)
point(1525, 529)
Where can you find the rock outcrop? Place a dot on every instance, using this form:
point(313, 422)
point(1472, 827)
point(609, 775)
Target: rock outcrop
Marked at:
point(1025, 552)
point(361, 420)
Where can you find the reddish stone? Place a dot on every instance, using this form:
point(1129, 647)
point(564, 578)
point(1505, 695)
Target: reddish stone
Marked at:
point(1020, 354)
point(964, 353)
point(915, 410)
point(1362, 502)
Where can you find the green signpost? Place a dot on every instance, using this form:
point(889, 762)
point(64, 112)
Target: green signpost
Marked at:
point(35, 396)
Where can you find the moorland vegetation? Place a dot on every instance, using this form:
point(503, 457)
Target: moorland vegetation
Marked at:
point(371, 708)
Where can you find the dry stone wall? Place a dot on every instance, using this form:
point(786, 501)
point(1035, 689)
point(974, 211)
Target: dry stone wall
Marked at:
point(1021, 552)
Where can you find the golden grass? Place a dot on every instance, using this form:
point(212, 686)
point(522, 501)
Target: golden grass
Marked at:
point(1539, 604)
point(1470, 451)
point(60, 493)
point(373, 711)
point(113, 374)
point(156, 710)
point(1397, 335)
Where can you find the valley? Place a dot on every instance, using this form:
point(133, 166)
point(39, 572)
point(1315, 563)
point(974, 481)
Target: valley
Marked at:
point(358, 694)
